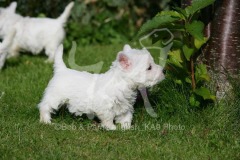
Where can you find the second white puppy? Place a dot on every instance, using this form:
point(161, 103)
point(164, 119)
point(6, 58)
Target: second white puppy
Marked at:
point(110, 96)
point(33, 34)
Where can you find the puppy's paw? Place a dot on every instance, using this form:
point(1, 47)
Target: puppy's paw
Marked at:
point(49, 60)
point(44, 119)
point(109, 127)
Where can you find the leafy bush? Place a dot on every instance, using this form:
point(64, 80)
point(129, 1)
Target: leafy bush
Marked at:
point(109, 21)
point(96, 21)
point(99, 22)
point(187, 42)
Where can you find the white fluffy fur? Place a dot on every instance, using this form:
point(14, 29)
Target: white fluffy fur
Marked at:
point(33, 34)
point(110, 96)
point(5, 45)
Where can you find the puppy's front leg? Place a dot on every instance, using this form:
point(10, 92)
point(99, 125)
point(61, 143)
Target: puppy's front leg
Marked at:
point(50, 52)
point(49, 60)
point(125, 120)
point(45, 115)
point(13, 51)
point(107, 120)
point(3, 57)
point(4, 54)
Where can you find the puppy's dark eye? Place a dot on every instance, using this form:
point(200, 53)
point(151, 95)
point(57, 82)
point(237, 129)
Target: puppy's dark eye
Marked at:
point(149, 68)
point(164, 71)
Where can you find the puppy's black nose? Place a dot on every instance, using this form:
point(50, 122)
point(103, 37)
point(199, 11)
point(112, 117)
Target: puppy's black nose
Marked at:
point(164, 71)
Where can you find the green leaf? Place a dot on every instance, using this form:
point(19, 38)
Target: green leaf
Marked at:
point(42, 15)
point(156, 22)
point(173, 14)
point(197, 5)
point(164, 54)
point(196, 29)
point(205, 93)
point(180, 10)
point(188, 80)
point(178, 81)
point(188, 52)
point(175, 26)
point(175, 58)
point(177, 44)
point(193, 102)
point(201, 73)
point(198, 43)
point(163, 36)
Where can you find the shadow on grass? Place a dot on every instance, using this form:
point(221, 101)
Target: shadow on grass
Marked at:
point(22, 58)
point(63, 115)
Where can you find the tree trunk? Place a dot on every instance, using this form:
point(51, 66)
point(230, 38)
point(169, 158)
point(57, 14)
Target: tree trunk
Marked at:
point(222, 52)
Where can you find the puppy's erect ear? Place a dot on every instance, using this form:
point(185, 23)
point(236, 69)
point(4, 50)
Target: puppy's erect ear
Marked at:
point(12, 7)
point(124, 61)
point(126, 48)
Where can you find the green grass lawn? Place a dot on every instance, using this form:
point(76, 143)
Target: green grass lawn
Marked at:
point(179, 132)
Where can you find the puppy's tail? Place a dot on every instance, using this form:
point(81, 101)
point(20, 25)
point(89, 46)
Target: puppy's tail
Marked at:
point(64, 16)
point(59, 65)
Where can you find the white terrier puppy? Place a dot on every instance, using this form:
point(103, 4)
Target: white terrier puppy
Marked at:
point(33, 34)
point(4, 46)
point(109, 96)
